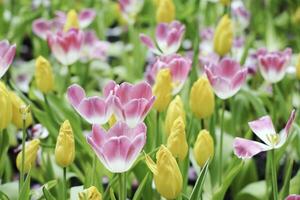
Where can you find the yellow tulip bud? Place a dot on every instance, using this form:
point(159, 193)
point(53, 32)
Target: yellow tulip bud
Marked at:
point(225, 2)
point(177, 143)
point(43, 75)
point(175, 110)
point(31, 149)
point(298, 68)
point(90, 193)
point(65, 146)
point(167, 176)
point(19, 114)
point(72, 21)
point(204, 147)
point(162, 90)
point(202, 99)
point(165, 11)
point(223, 36)
point(6, 107)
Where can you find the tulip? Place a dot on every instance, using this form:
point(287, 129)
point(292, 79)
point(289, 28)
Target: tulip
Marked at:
point(90, 193)
point(6, 107)
point(65, 145)
point(17, 115)
point(177, 143)
point(223, 36)
point(293, 197)
point(204, 147)
point(202, 100)
point(241, 16)
point(31, 149)
point(175, 110)
point(273, 65)
point(44, 75)
point(168, 38)
point(72, 21)
point(226, 77)
point(131, 103)
point(66, 46)
point(7, 54)
point(129, 9)
point(95, 110)
point(167, 176)
point(225, 2)
point(162, 90)
point(119, 147)
point(165, 11)
point(298, 68)
point(263, 129)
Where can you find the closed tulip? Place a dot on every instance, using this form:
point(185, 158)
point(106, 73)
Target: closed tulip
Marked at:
point(17, 114)
point(177, 143)
point(6, 107)
point(167, 176)
point(223, 36)
point(65, 146)
point(90, 193)
point(43, 75)
point(31, 149)
point(72, 21)
point(204, 148)
point(174, 111)
point(202, 99)
point(298, 68)
point(165, 11)
point(162, 90)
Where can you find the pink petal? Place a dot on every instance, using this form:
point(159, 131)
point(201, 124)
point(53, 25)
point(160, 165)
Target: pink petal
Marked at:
point(290, 122)
point(293, 197)
point(41, 28)
point(161, 32)
point(134, 111)
point(8, 54)
point(147, 41)
point(239, 78)
point(75, 95)
point(227, 68)
point(109, 88)
point(121, 128)
point(86, 17)
point(141, 90)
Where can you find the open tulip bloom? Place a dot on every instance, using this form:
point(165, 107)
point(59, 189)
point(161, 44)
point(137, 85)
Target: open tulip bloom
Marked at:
point(264, 129)
point(7, 54)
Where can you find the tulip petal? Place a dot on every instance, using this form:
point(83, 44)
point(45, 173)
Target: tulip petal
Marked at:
point(149, 43)
point(75, 95)
point(86, 17)
point(290, 122)
point(293, 197)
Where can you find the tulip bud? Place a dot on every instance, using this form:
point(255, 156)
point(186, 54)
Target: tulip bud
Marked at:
point(72, 21)
point(204, 147)
point(90, 193)
point(223, 36)
point(175, 110)
point(65, 146)
point(202, 99)
point(225, 2)
point(31, 149)
point(43, 75)
point(165, 11)
point(298, 68)
point(177, 143)
point(167, 176)
point(19, 111)
point(6, 107)
point(162, 90)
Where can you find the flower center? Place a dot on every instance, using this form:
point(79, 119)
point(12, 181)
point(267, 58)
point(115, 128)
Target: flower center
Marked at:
point(273, 139)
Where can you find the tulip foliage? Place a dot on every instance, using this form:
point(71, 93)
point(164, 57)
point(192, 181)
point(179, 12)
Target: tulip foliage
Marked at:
point(150, 100)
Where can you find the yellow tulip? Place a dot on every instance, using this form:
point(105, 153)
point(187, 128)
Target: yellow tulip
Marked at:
point(175, 110)
point(90, 193)
point(165, 11)
point(202, 99)
point(6, 107)
point(298, 68)
point(65, 146)
point(162, 90)
point(19, 114)
point(177, 143)
point(31, 149)
point(204, 147)
point(43, 75)
point(225, 2)
point(223, 36)
point(72, 21)
point(167, 176)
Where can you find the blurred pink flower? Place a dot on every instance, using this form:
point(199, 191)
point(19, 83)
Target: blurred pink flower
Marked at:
point(7, 54)
point(119, 147)
point(264, 129)
point(129, 9)
point(241, 16)
point(226, 77)
point(66, 46)
point(293, 197)
point(273, 65)
point(95, 110)
point(131, 103)
point(168, 38)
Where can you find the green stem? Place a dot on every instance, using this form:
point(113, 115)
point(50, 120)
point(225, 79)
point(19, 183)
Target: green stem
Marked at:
point(86, 74)
point(122, 186)
point(49, 110)
point(274, 175)
point(158, 136)
point(221, 143)
point(23, 154)
point(94, 169)
point(65, 193)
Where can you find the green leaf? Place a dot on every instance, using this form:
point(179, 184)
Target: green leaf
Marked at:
point(25, 191)
point(38, 193)
point(253, 191)
point(196, 193)
point(111, 194)
point(139, 191)
point(287, 176)
point(47, 194)
point(3, 196)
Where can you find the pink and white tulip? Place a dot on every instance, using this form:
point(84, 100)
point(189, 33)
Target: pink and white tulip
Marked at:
point(119, 147)
point(131, 103)
point(273, 65)
point(66, 46)
point(85, 17)
point(95, 110)
point(264, 129)
point(168, 38)
point(293, 197)
point(129, 9)
point(7, 54)
point(226, 77)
